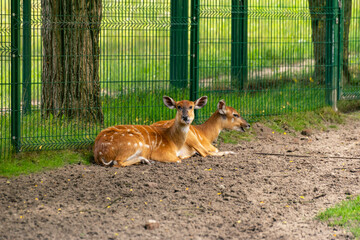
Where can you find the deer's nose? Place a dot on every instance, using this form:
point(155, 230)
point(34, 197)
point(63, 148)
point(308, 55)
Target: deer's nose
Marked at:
point(185, 119)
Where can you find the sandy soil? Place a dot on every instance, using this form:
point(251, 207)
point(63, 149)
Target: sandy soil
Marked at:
point(242, 196)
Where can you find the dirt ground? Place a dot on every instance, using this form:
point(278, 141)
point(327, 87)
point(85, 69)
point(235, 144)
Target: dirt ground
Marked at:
point(242, 196)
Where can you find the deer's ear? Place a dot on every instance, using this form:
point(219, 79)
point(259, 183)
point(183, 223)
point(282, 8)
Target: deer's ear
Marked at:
point(169, 102)
point(222, 107)
point(201, 102)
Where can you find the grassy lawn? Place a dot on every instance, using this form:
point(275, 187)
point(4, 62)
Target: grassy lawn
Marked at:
point(32, 162)
point(345, 214)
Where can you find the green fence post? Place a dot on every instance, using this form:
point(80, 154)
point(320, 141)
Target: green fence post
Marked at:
point(340, 48)
point(26, 57)
point(194, 51)
point(15, 75)
point(332, 51)
point(239, 43)
point(179, 43)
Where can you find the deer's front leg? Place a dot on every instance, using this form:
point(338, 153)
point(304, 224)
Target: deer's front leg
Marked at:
point(165, 157)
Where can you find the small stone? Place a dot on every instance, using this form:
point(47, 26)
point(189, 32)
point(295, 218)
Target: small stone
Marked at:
point(306, 132)
point(151, 184)
point(151, 225)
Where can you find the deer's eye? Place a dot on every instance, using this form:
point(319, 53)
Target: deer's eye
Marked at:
point(190, 107)
point(236, 115)
point(179, 107)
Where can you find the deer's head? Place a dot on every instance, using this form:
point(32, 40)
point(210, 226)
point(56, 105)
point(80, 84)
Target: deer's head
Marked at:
point(185, 109)
point(230, 118)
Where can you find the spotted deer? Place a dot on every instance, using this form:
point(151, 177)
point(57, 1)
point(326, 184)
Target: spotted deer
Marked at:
point(200, 137)
point(124, 145)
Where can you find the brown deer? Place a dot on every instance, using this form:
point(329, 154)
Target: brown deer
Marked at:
point(124, 145)
point(200, 137)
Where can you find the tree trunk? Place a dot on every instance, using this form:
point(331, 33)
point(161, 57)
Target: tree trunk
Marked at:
point(318, 27)
point(70, 75)
point(347, 17)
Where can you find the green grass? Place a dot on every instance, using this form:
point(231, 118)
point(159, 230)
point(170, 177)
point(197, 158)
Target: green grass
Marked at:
point(320, 119)
point(345, 214)
point(32, 162)
point(323, 118)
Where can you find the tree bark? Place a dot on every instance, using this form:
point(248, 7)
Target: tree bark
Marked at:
point(347, 17)
point(318, 29)
point(70, 74)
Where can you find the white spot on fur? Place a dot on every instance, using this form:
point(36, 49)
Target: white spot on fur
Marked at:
point(147, 146)
point(140, 144)
point(100, 153)
point(112, 148)
point(131, 135)
point(135, 144)
point(129, 143)
point(122, 134)
point(185, 129)
point(163, 145)
point(128, 130)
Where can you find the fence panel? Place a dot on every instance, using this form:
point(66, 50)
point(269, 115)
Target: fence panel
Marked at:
point(350, 84)
point(134, 73)
point(5, 77)
point(282, 74)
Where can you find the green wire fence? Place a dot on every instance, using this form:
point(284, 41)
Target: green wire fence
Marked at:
point(71, 68)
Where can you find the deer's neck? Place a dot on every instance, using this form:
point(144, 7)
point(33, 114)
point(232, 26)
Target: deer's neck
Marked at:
point(178, 133)
point(212, 127)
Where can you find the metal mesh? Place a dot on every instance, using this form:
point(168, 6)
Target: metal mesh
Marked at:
point(350, 84)
point(279, 62)
point(5, 57)
point(263, 57)
point(134, 74)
